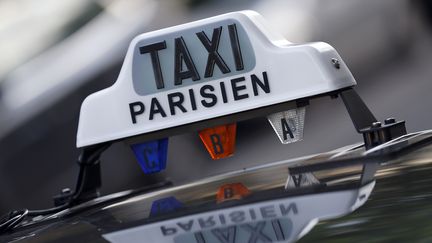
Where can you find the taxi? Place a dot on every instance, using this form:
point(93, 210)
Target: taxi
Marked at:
point(203, 77)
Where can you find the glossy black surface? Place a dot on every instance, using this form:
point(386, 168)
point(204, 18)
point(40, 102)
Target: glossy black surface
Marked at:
point(398, 209)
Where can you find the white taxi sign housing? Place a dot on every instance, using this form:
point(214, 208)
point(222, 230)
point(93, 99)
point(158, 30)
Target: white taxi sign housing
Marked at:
point(206, 69)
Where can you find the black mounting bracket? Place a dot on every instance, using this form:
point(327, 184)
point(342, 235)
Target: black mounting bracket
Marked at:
point(89, 177)
point(374, 133)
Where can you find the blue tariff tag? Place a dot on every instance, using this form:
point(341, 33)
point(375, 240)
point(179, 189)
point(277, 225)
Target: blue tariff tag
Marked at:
point(152, 155)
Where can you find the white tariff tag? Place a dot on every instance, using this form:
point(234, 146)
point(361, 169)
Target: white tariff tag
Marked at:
point(289, 124)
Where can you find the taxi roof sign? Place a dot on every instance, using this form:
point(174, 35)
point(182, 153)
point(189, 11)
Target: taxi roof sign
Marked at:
point(205, 69)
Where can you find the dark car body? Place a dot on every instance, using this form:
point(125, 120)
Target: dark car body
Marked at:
point(391, 180)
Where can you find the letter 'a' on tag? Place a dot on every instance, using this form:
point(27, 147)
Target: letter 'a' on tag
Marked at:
point(219, 141)
point(165, 205)
point(289, 124)
point(301, 180)
point(234, 191)
point(152, 155)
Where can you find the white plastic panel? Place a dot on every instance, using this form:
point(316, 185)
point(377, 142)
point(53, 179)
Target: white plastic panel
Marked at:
point(273, 71)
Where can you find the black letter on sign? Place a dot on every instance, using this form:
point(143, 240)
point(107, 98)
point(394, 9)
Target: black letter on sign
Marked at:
point(256, 81)
point(286, 210)
point(199, 237)
point(286, 129)
point(213, 56)
point(168, 231)
point(135, 112)
point(182, 55)
point(155, 107)
point(179, 103)
point(236, 88)
point(192, 99)
point(153, 50)
point(256, 233)
point(217, 146)
point(225, 235)
point(277, 228)
point(235, 46)
point(211, 96)
point(223, 92)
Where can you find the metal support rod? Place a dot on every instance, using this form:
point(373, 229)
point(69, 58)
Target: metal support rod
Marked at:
point(360, 114)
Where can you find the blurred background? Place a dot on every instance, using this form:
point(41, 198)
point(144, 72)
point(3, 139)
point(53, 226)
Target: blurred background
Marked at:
point(55, 53)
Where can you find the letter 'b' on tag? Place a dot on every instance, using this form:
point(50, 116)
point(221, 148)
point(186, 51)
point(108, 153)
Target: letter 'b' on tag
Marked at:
point(219, 141)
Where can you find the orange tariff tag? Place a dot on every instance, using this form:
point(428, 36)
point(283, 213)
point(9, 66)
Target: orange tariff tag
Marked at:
point(234, 191)
point(219, 141)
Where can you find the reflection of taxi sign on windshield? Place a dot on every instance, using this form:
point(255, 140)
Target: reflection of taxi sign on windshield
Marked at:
point(206, 76)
